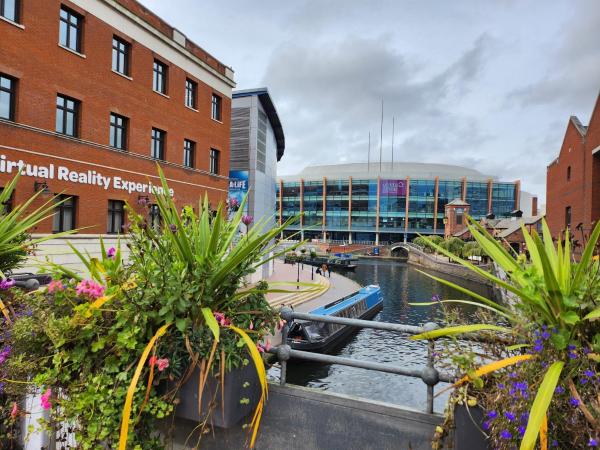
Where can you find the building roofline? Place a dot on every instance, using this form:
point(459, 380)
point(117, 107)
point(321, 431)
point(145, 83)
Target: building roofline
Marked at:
point(156, 22)
point(269, 107)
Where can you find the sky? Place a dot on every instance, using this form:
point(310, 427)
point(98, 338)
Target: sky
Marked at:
point(489, 85)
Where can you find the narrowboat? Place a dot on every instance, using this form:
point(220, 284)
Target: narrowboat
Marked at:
point(343, 264)
point(323, 337)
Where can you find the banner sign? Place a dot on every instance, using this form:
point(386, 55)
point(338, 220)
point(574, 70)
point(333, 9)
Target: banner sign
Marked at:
point(393, 188)
point(89, 177)
point(238, 185)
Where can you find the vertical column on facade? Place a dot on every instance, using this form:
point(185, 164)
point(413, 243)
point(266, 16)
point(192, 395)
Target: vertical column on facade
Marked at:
point(406, 207)
point(350, 210)
point(464, 189)
point(324, 223)
point(435, 203)
point(377, 211)
point(302, 209)
point(517, 194)
point(280, 202)
point(490, 192)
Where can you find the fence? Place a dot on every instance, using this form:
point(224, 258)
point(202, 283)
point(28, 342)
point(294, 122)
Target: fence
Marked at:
point(428, 374)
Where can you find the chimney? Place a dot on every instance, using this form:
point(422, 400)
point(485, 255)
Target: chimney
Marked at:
point(534, 206)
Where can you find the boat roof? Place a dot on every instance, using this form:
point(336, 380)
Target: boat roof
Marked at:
point(363, 292)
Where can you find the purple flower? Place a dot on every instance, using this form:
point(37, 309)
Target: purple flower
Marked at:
point(539, 346)
point(545, 335)
point(435, 298)
point(4, 354)
point(492, 414)
point(233, 202)
point(525, 417)
point(510, 416)
point(554, 443)
point(571, 347)
point(247, 220)
point(588, 373)
point(559, 390)
point(521, 430)
point(500, 385)
point(111, 252)
point(592, 443)
point(173, 228)
point(486, 426)
point(574, 402)
point(573, 355)
point(6, 284)
point(505, 434)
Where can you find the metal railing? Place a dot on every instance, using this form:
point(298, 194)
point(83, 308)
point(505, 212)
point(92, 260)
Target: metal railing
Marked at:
point(428, 374)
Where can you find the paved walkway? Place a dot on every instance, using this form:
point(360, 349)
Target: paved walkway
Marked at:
point(305, 299)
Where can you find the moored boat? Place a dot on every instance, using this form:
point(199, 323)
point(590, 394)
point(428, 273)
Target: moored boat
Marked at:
point(323, 337)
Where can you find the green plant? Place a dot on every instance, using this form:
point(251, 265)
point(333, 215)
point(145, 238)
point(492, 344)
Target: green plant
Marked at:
point(453, 245)
point(554, 318)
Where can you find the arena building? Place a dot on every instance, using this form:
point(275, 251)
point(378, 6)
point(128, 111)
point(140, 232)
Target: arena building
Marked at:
point(355, 203)
point(93, 95)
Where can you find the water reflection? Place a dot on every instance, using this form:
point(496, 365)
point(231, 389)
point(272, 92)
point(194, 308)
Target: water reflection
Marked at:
point(401, 284)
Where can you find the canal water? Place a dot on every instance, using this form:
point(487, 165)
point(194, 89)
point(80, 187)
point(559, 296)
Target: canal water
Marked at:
point(401, 284)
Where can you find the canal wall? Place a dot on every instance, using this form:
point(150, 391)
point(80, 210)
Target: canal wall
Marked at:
point(297, 418)
point(429, 261)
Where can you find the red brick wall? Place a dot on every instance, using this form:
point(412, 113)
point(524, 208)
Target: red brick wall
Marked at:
point(43, 69)
point(560, 192)
point(592, 142)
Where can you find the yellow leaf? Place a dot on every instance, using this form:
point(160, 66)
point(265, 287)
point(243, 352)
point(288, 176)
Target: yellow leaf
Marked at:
point(133, 385)
point(492, 367)
point(544, 434)
point(101, 301)
point(4, 310)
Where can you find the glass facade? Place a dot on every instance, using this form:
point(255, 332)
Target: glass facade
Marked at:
point(360, 208)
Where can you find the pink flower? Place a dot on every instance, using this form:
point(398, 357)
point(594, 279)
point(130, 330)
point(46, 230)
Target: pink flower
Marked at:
point(280, 325)
point(15, 411)
point(222, 320)
point(111, 252)
point(267, 346)
point(55, 286)
point(247, 220)
point(162, 364)
point(260, 348)
point(152, 360)
point(45, 399)
point(90, 288)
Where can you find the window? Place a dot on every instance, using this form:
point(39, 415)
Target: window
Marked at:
point(157, 151)
point(70, 29)
point(67, 115)
point(159, 77)
point(214, 161)
point(154, 216)
point(9, 9)
point(569, 173)
point(191, 90)
point(120, 56)
point(459, 216)
point(7, 97)
point(216, 107)
point(116, 216)
point(118, 131)
point(64, 213)
point(189, 149)
point(568, 217)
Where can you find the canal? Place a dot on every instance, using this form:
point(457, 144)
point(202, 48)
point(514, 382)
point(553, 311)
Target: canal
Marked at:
point(401, 284)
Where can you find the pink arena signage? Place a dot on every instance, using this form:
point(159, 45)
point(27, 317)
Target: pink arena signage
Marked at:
point(393, 188)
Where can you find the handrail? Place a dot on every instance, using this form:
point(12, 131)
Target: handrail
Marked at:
point(428, 374)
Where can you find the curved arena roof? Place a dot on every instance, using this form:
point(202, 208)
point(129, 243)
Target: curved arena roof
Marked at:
point(400, 170)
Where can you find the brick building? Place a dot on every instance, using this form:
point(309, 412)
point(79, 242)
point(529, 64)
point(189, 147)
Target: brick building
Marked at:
point(573, 179)
point(95, 93)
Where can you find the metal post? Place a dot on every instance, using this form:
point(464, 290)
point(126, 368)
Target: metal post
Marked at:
point(283, 352)
point(298, 277)
point(430, 348)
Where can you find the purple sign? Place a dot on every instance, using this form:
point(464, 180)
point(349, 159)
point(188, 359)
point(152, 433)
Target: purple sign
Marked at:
point(393, 188)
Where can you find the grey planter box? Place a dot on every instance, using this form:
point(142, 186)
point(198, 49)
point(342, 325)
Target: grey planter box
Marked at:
point(467, 431)
point(229, 414)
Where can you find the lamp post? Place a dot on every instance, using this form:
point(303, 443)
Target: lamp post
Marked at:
point(298, 277)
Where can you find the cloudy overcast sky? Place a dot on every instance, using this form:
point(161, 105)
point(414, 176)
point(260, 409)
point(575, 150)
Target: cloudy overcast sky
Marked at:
point(484, 84)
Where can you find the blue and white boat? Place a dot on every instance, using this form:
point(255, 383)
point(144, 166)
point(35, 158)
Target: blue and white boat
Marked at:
point(323, 337)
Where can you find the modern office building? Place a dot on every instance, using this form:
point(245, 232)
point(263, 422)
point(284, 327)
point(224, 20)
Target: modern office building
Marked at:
point(573, 179)
point(352, 202)
point(93, 95)
point(257, 144)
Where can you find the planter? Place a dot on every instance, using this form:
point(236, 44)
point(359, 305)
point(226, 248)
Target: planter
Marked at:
point(468, 433)
point(232, 411)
